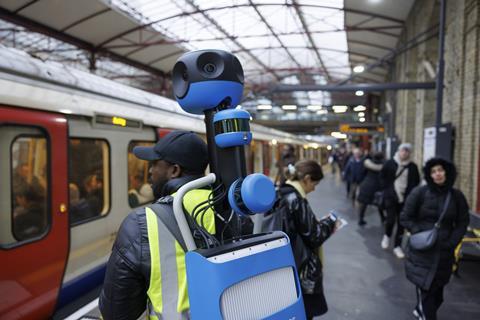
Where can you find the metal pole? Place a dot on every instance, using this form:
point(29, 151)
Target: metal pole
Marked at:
point(355, 87)
point(440, 71)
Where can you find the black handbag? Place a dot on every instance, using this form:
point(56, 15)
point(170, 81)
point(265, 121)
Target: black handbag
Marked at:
point(379, 196)
point(425, 240)
point(378, 199)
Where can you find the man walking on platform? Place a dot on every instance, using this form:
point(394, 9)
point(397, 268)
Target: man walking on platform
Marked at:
point(147, 265)
point(398, 178)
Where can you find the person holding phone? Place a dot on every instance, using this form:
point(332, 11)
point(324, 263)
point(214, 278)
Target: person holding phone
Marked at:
point(307, 233)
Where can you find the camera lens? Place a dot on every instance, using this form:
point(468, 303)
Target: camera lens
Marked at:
point(209, 68)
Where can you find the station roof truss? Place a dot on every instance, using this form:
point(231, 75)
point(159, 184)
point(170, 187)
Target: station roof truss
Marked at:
point(289, 42)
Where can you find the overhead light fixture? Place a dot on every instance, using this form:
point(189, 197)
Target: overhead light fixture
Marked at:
point(361, 114)
point(339, 109)
point(361, 119)
point(264, 107)
point(323, 111)
point(274, 142)
point(289, 107)
point(66, 111)
point(359, 93)
point(314, 107)
point(329, 147)
point(359, 108)
point(338, 135)
point(359, 69)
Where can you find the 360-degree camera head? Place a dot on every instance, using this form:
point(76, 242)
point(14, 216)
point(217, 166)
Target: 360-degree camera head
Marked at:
point(205, 79)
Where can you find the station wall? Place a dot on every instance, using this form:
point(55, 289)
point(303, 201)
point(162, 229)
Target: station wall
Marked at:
point(415, 109)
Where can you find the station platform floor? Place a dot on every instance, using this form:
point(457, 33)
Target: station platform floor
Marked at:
point(363, 281)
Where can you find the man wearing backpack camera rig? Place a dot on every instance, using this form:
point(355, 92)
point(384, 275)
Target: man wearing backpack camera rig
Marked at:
point(293, 215)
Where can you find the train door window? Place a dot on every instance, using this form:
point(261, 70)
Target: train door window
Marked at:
point(24, 201)
point(89, 179)
point(139, 190)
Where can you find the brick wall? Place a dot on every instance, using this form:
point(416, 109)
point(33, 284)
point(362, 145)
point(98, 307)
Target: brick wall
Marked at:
point(415, 110)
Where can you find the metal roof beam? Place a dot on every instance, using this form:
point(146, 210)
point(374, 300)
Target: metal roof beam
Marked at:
point(391, 55)
point(309, 36)
point(274, 33)
point(204, 11)
point(232, 38)
point(48, 31)
point(355, 87)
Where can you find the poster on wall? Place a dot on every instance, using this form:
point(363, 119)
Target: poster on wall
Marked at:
point(429, 140)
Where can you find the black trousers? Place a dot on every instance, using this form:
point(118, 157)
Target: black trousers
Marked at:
point(393, 218)
point(428, 302)
point(362, 207)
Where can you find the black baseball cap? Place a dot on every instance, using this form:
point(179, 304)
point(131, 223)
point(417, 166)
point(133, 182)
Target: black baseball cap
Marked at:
point(184, 148)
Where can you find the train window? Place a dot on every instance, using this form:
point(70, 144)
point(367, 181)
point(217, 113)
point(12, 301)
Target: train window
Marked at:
point(139, 190)
point(89, 179)
point(29, 185)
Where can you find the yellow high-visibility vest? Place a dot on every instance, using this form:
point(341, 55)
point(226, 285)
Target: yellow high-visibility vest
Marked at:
point(167, 293)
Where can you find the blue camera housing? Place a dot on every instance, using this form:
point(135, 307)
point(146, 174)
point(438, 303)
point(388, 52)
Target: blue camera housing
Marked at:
point(206, 79)
point(251, 195)
point(210, 94)
point(232, 128)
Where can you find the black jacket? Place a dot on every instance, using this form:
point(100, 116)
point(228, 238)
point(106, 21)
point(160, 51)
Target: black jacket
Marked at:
point(387, 180)
point(354, 170)
point(371, 182)
point(421, 211)
point(124, 293)
point(307, 234)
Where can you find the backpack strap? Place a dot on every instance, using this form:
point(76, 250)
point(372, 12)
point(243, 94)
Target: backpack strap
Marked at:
point(163, 209)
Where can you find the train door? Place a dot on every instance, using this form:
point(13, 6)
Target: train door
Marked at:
point(34, 237)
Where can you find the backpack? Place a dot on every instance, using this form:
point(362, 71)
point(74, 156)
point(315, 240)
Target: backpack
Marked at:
point(276, 219)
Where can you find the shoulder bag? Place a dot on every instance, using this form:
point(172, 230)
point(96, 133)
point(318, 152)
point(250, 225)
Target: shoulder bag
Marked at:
point(425, 240)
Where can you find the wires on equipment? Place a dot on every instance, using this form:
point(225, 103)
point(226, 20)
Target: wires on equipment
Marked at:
point(197, 218)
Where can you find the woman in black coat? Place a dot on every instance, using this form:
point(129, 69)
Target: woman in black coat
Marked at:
point(370, 185)
point(307, 234)
point(430, 270)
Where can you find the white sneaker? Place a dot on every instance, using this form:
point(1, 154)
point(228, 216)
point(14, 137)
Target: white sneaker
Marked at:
point(415, 314)
point(385, 242)
point(399, 252)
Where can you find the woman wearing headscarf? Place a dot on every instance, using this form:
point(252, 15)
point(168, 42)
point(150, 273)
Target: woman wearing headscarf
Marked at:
point(439, 203)
point(398, 177)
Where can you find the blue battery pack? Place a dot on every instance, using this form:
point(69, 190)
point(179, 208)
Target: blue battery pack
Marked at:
point(252, 278)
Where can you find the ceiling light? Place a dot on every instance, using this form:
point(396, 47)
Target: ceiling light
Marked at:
point(360, 108)
point(361, 114)
point(67, 111)
point(322, 112)
point(314, 107)
point(338, 135)
point(359, 93)
point(274, 142)
point(339, 109)
point(361, 119)
point(264, 107)
point(358, 69)
point(289, 107)
point(329, 147)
